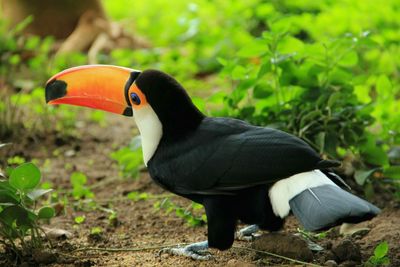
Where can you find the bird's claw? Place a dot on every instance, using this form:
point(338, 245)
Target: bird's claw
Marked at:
point(247, 238)
point(248, 233)
point(189, 251)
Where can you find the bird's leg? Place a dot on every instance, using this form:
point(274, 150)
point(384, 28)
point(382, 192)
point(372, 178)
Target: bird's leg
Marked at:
point(196, 251)
point(247, 233)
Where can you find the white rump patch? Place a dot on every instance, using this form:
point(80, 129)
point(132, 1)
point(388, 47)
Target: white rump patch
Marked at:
point(284, 190)
point(150, 129)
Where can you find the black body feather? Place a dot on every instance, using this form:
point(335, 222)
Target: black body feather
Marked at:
point(223, 155)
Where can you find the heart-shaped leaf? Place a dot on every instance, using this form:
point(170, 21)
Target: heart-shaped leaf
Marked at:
point(46, 213)
point(26, 176)
point(15, 214)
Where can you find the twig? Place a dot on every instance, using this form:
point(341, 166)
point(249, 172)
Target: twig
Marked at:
point(68, 255)
point(129, 249)
point(277, 256)
point(118, 199)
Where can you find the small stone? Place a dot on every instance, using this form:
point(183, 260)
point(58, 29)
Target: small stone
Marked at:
point(284, 244)
point(164, 255)
point(328, 244)
point(348, 264)
point(95, 237)
point(57, 234)
point(347, 250)
point(331, 263)
point(69, 153)
point(43, 256)
point(348, 229)
point(329, 255)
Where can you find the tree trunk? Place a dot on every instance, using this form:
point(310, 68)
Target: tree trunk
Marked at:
point(82, 25)
point(50, 17)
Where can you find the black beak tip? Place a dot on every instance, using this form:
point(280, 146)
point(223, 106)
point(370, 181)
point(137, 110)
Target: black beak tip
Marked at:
point(55, 89)
point(128, 112)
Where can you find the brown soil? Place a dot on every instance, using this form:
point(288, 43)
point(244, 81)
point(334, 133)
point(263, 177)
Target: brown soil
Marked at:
point(141, 226)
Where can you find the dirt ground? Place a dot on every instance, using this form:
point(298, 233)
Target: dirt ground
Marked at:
point(141, 226)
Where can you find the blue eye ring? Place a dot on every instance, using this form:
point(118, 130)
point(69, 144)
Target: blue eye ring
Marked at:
point(135, 99)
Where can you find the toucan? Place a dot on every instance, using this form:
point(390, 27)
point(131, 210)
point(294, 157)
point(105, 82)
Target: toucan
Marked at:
point(237, 171)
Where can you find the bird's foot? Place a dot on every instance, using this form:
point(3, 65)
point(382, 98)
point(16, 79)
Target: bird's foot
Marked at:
point(248, 233)
point(196, 251)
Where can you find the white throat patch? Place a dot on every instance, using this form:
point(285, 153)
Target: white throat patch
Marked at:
point(150, 129)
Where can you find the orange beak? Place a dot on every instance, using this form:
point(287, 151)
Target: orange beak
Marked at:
point(102, 87)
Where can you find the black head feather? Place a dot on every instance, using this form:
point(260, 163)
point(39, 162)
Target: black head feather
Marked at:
point(170, 102)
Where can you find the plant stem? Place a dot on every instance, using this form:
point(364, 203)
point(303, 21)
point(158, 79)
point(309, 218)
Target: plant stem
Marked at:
point(277, 256)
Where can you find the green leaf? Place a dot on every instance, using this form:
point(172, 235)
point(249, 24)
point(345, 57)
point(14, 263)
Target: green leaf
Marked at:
point(247, 112)
point(361, 175)
point(78, 178)
point(25, 176)
point(320, 140)
point(333, 98)
point(310, 116)
point(265, 68)
point(290, 45)
point(239, 72)
point(35, 194)
point(392, 172)
point(22, 25)
point(16, 214)
point(136, 196)
point(253, 49)
point(222, 61)
point(375, 155)
point(262, 91)
point(5, 185)
point(7, 197)
point(349, 59)
point(383, 86)
point(96, 230)
point(381, 250)
point(79, 219)
point(46, 213)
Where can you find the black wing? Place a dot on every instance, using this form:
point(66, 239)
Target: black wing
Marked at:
point(227, 154)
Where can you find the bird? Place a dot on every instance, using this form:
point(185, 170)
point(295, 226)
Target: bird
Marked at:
point(239, 172)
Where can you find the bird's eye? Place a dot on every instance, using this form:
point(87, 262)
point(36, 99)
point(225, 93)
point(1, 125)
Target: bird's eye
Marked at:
point(135, 99)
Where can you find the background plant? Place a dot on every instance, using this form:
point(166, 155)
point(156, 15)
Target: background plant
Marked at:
point(19, 216)
point(129, 158)
point(380, 257)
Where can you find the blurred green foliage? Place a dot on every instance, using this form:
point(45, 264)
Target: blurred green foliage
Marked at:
point(129, 158)
point(327, 71)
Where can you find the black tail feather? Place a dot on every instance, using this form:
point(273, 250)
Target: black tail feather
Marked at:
point(325, 206)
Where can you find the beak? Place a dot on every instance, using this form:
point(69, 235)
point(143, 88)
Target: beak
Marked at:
point(102, 87)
